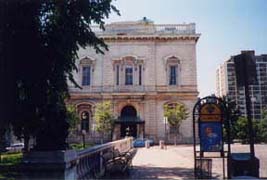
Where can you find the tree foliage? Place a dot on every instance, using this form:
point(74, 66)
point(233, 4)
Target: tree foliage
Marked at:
point(242, 132)
point(259, 129)
point(262, 128)
point(175, 114)
point(104, 117)
point(45, 36)
point(72, 117)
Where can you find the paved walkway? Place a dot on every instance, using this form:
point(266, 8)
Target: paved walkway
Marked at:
point(156, 163)
point(178, 163)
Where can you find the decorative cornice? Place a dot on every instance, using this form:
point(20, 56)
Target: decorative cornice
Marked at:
point(110, 38)
point(128, 60)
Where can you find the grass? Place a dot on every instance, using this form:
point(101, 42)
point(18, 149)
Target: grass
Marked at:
point(8, 159)
point(79, 146)
point(7, 162)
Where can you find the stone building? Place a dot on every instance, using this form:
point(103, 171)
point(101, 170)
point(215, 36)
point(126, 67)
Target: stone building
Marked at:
point(147, 65)
point(226, 85)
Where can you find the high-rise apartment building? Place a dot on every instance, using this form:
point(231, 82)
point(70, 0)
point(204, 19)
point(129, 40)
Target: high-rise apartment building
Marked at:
point(226, 85)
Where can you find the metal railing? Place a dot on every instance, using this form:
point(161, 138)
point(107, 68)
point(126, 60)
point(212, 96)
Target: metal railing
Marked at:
point(91, 162)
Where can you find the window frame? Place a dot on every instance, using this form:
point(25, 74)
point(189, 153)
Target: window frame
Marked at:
point(85, 76)
point(173, 77)
point(132, 76)
point(117, 74)
point(140, 77)
point(170, 62)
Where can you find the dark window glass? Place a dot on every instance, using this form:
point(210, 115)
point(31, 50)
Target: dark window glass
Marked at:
point(117, 75)
point(129, 76)
point(140, 74)
point(173, 75)
point(85, 121)
point(86, 76)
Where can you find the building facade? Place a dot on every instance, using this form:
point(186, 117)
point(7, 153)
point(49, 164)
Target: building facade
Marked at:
point(147, 66)
point(226, 85)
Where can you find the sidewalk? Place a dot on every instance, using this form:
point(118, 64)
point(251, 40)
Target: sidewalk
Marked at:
point(155, 163)
point(177, 162)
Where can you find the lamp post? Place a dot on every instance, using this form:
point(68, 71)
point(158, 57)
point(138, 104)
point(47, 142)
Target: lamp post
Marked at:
point(83, 135)
point(165, 124)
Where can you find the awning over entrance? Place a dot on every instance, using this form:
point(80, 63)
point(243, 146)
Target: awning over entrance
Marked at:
point(129, 120)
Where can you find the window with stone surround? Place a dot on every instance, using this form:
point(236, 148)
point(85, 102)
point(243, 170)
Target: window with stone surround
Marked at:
point(129, 75)
point(173, 75)
point(86, 69)
point(86, 75)
point(173, 71)
point(128, 71)
point(85, 112)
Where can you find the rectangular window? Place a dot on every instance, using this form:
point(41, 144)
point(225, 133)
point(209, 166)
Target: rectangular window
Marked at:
point(173, 75)
point(129, 76)
point(86, 76)
point(140, 75)
point(117, 75)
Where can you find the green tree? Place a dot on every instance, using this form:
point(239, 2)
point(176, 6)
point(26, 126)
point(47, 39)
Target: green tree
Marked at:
point(45, 36)
point(104, 118)
point(242, 131)
point(241, 128)
point(262, 128)
point(72, 117)
point(175, 113)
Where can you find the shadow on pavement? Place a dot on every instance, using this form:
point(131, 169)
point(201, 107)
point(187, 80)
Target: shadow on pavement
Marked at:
point(148, 172)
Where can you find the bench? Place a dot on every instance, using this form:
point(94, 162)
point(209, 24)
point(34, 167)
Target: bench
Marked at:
point(118, 161)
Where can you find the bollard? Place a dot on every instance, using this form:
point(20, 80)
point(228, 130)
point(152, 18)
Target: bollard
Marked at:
point(147, 144)
point(161, 144)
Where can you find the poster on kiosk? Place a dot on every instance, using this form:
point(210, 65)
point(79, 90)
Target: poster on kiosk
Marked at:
point(210, 128)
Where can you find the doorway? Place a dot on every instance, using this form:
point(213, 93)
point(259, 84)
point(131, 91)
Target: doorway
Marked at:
point(128, 121)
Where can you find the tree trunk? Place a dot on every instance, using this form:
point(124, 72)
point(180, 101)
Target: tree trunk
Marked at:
point(26, 143)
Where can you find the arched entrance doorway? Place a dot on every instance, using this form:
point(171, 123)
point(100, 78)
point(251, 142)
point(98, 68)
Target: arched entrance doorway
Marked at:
point(128, 121)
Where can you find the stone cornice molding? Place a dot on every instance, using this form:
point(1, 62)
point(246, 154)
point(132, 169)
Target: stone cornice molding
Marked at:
point(128, 60)
point(88, 103)
point(171, 60)
point(110, 38)
point(87, 61)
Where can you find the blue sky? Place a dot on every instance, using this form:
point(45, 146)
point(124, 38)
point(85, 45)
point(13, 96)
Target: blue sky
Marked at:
point(226, 27)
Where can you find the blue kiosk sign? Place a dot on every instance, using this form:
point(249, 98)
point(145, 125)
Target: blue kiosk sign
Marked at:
point(210, 128)
point(209, 118)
